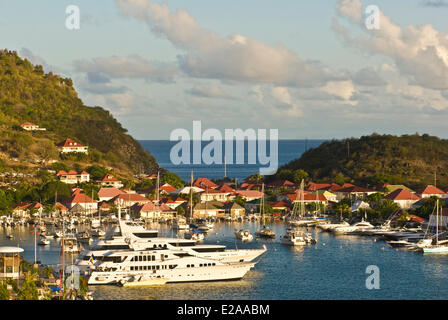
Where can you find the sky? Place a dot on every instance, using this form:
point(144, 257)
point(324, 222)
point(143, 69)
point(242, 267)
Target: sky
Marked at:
point(311, 69)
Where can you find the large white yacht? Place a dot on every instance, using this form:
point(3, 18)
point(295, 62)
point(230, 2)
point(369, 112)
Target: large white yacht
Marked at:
point(130, 236)
point(356, 228)
point(173, 266)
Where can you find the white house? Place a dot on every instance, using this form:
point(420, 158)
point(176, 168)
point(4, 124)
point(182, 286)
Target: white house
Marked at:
point(28, 126)
point(73, 177)
point(403, 198)
point(69, 146)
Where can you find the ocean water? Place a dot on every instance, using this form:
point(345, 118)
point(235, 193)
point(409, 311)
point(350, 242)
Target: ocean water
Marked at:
point(288, 150)
point(334, 268)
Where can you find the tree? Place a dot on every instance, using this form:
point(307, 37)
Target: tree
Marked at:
point(239, 200)
point(300, 174)
point(257, 178)
point(28, 291)
point(180, 211)
point(4, 293)
point(172, 179)
point(97, 172)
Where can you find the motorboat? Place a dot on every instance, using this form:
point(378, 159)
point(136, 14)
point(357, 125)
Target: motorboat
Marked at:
point(176, 266)
point(244, 235)
point(43, 241)
point(265, 232)
point(356, 228)
point(143, 281)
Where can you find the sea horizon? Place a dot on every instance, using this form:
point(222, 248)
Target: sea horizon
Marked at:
point(288, 150)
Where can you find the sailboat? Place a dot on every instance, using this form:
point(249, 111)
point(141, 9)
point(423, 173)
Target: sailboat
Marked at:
point(440, 246)
point(265, 232)
point(300, 220)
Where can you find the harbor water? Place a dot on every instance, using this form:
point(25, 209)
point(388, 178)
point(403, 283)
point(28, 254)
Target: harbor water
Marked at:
point(334, 268)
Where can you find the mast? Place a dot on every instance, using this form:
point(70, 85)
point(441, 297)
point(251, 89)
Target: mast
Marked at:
point(262, 202)
point(437, 223)
point(191, 198)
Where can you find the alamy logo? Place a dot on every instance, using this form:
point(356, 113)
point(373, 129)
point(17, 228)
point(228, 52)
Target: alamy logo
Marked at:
point(72, 21)
point(373, 280)
point(72, 281)
point(372, 21)
point(212, 153)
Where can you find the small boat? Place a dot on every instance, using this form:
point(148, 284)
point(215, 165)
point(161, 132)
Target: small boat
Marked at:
point(9, 236)
point(194, 234)
point(244, 235)
point(44, 241)
point(140, 281)
point(265, 233)
point(293, 237)
point(437, 246)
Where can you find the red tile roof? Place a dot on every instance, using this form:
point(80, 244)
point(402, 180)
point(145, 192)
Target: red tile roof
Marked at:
point(401, 194)
point(167, 188)
point(280, 204)
point(296, 196)
point(109, 178)
point(318, 186)
point(249, 193)
point(109, 192)
point(27, 124)
point(226, 188)
point(281, 183)
point(81, 198)
point(430, 189)
point(204, 182)
point(354, 189)
point(69, 143)
point(133, 197)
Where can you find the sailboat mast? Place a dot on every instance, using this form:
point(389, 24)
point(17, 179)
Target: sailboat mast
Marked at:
point(191, 198)
point(437, 223)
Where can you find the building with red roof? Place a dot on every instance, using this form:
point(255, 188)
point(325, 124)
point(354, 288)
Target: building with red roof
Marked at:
point(281, 205)
point(306, 197)
point(82, 200)
point(166, 189)
point(226, 188)
point(204, 183)
point(129, 199)
point(28, 126)
point(249, 195)
point(69, 146)
point(431, 191)
point(106, 194)
point(212, 194)
point(73, 177)
point(352, 191)
point(24, 209)
point(110, 181)
point(404, 198)
point(280, 184)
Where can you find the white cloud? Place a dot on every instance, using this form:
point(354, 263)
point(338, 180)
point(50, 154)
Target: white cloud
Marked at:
point(132, 67)
point(420, 53)
point(237, 57)
point(209, 91)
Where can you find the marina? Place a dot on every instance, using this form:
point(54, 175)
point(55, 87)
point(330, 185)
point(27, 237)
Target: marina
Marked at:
point(333, 268)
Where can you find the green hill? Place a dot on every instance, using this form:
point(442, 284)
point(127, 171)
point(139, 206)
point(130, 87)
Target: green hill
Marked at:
point(27, 94)
point(412, 160)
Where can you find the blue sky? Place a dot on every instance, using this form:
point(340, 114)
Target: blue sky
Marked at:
point(307, 68)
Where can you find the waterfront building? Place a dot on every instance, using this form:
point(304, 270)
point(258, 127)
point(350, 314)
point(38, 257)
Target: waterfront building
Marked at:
point(25, 209)
point(10, 262)
point(233, 210)
point(208, 209)
point(71, 146)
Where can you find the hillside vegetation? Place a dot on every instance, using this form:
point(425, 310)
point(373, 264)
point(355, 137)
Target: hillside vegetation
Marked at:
point(412, 160)
point(28, 94)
